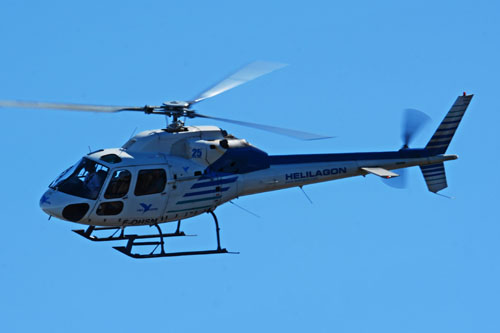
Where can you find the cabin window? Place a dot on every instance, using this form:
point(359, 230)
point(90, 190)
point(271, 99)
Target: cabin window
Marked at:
point(111, 158)
point(150, 182)
point(110, 208)
point(118, 184)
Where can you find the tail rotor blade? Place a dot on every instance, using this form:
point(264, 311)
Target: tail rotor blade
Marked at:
point(413, 122)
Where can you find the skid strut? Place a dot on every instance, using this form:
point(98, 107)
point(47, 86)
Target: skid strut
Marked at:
point(160, 243)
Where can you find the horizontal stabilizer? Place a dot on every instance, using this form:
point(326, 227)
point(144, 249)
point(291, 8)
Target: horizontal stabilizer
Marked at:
point(435, 177)
point(381, 172)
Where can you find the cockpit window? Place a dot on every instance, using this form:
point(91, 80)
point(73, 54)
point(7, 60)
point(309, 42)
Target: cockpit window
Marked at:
point(150, 182)
point(63, 175)
point(118, 184)
point(84, 179)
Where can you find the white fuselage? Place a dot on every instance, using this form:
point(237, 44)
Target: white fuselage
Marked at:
point(173, 176)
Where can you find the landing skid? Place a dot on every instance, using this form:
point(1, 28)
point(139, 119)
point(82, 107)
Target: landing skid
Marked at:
point(91, 229)
point(132, 241)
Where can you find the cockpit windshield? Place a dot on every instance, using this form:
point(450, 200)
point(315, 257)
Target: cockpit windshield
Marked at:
point(84, 179)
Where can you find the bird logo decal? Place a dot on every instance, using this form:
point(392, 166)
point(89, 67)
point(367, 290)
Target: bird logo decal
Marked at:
point(146, 208)
point(45, 200)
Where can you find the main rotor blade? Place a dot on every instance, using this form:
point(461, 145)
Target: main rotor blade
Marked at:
point(68, 106)
point(413, 122)
point(245, 74)
point(278, 130)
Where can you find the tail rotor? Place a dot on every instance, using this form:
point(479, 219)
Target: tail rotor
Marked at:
point(412, 124)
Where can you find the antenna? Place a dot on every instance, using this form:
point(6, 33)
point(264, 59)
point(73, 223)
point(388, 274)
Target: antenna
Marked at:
point(246, 210)
point(133, 133)
point(445, 196)
point(306, 194)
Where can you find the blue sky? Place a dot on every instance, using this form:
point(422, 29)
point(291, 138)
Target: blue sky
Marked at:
point(364, 257)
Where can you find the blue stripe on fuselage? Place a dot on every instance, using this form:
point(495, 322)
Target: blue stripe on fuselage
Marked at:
point(206, 192)
point(318, 158)
point(215, 182)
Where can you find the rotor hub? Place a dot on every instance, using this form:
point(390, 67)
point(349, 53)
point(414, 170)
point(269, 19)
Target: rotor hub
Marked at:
point(175, 105)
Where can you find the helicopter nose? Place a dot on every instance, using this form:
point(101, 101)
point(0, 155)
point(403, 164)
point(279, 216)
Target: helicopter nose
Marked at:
point(46, 203)
point(51, 204)
point(63, 206)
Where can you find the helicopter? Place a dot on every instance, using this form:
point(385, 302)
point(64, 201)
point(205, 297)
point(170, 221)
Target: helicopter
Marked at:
point(179, 172)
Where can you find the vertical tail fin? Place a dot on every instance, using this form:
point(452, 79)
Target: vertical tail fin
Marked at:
point(442, 137)
point(434, 174)
point(435, 177)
